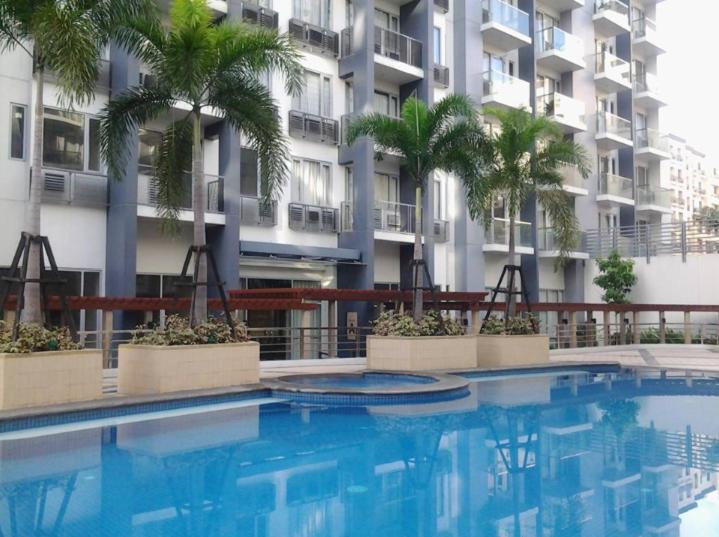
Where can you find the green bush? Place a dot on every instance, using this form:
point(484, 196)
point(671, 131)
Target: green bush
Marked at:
point(516, 326)
point(177, 331)
point(35, 338)
point(391, 323)
point(671, 336)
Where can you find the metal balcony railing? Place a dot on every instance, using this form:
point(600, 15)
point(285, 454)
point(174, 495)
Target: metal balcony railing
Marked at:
point(506, 15)
point(498, 233)
point(611, 66)
point(615, 185)
point(256, 14)
point(313, 218)
point(441, 75)
point(82, 189)
point(613, 124)
point(255, 212)
point(147, 190)
point(397, 46)
point(651, 138)
point(313, 128)
point(555, 38)
point(394, 217)
point(319, 39)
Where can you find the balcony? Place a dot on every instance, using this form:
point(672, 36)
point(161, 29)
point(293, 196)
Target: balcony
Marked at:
point(313, 218)
point(567, 112)
point(397, 57)
point(314, 38)
point(651, 199)
point(313, 128)
point(441, 76)
point(574, 184)
point(503, 90)
point(147, 194)
point(613, 132)
point(102, 79)
point(559, 51)
point(650, 145)
point(504, 27)
point(611, 74)
point(262, 16)
point(255, 212)
point(496, 236)
point(615, 190)
point(442, 5)
point(645, 38)
point(611, 18)
point(391, 217)
point(647, 92)
point(564, 5)
point(547, 245)
point(78, 189)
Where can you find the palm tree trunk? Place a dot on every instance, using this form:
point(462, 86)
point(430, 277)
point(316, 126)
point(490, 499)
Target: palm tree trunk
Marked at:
point(511, 260)
point(199, 315)
point(418, 298)
point(32, 312)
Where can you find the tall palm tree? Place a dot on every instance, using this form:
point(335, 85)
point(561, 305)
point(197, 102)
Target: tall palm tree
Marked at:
point(205, 66)
point(527, 157)
point(445, 136)
point(66, 37)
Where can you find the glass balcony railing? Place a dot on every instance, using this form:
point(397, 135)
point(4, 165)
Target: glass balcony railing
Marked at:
point(547, 241)
point(612, 8)
point(510, 89)
point(644, 28)
point(558, 40)
point(561, 107)
point(648, 195)
point(650, 138)
point(395, 217)
point(615, 185)
point(572, 177)
point(505, 14)
point(646, 82)
point(498, 233)
point(612, 124)
point(609, 65)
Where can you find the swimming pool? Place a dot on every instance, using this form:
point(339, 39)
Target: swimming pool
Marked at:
point(576, 453)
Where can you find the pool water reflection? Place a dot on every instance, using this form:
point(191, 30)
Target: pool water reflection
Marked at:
point(573, 455)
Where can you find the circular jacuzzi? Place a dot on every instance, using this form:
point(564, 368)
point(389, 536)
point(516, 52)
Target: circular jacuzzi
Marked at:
point(369, 387)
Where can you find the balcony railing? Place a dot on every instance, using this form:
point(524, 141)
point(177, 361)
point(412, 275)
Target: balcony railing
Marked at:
point(395, 217)
point(646, 82)
point(147, 191)
point(85, 189)
point(320, 39)
point(572, 177)
point(557, 39)
point(313, 218)
point(505, 14)
point(615, 185)
point(498, 233)
point(441, 75)
point(313, 128)
point(648, 195)
point(255, 212)
point(612, 6)
point(613, 67)
point(562, 107)
point(510, 88)
point(547, 241)
point(644, 28)
point(650, 138)
point(613, 124)
point(397, 47)
point(262, 16)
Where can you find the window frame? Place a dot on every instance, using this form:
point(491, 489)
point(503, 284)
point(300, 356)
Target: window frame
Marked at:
point(301, 100)
point(86, 119)
point(24, 108)
point(296, 194)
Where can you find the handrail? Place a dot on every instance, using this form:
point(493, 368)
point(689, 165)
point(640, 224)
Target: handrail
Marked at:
point(397, 46)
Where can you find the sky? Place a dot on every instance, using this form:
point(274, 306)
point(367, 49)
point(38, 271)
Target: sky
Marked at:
point(689, 71)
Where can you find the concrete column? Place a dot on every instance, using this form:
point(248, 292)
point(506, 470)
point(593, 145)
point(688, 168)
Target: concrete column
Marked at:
point(687, 328)
point(107, 325)
point(476, 322)
point(306, 335)
point(635, 327)
point(606, 328)
point(332, 328)
point(662, 328)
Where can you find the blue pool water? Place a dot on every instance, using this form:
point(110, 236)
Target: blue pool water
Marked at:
point(579, 454)
point(366, 380)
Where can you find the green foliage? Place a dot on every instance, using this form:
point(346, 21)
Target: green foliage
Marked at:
point(515, 326)
point(35, 338)
point(391, 323)
point(177, 331)
point(616, 277)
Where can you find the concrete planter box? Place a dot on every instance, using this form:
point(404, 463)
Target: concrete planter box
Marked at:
point(509, 351)
point(394, 353)
point(144, 369)
point(49, 378)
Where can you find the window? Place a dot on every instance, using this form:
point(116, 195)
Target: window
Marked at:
point(311, 182)
point(349, 185)
point(437, 44)
point(386, 187)
point(63, 139)
point(316, 97)
point(249, 172)
point(17, 131)
point(387, 104)
point(94, 163)
point(149, 142)
point(386, 20)
point(315, 12)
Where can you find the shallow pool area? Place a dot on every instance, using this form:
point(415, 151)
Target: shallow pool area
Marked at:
point(360, 380)
point(552, 453)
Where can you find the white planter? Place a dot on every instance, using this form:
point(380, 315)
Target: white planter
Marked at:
point(49, 378)
point(144, 369)
point(425, 353)
point(510, 351)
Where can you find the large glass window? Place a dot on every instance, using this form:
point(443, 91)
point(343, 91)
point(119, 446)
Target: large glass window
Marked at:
point(311, 182)
point(387, 104)
point(93, 150)
point(316, 97)
point(17, 131)
point(63, 139)
point(386, 187)
point(315, 12)
point(437, 45)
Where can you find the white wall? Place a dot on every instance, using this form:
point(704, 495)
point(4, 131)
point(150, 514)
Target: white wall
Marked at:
point(159, 253)
point(386, 262)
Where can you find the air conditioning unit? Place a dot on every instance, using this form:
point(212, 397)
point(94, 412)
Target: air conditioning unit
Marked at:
point(56, 186)
point(297, 216)
point(314, 219)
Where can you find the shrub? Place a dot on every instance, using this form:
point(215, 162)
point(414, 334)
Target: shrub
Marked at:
point(391, 323)
point(516, 326)
point(616, 277)
point(35, 338)
point(177, 331)
point(671, 336)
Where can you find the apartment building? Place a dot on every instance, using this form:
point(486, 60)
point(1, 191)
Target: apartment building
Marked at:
point(691, 177)
point(346, 218)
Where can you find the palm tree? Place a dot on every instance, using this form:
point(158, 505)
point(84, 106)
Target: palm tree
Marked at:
point(445, 136)
point(527, 157)
point(66, 37)
point(203, 65)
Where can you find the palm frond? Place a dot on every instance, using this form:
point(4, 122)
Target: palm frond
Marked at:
point(450, 109)
point(557, 203)
point(389, 134)
point(174, 159)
